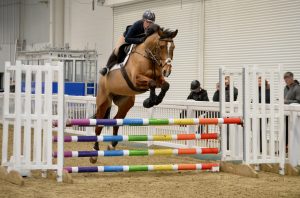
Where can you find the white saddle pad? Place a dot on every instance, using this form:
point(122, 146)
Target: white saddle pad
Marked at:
point(119, 65)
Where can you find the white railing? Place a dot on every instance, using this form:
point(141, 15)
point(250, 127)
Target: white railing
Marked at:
point(38, 112)
point(84, 107)
point(31, 117)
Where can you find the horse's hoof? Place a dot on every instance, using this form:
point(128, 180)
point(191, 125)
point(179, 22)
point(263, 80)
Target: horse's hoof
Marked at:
point(110, 147)
point(93, 160)
point(165, 87)
point(96, 146)
point(147, 103)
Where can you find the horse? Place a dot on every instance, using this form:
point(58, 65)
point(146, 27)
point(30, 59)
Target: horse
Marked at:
point(146, 67)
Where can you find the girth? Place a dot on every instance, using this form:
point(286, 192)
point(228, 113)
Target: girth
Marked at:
point(128, 81)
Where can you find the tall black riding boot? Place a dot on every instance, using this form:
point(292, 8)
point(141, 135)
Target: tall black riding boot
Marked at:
point(111, 62)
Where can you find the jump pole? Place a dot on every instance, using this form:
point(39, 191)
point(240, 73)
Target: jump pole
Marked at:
point(142, 152)
point(214, 167)
point(151, 121)
point(109, 138)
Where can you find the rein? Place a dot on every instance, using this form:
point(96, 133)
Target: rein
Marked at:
point(154, 55)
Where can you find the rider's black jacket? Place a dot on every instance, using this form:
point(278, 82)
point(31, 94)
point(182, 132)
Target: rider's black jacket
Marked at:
point(135, 34)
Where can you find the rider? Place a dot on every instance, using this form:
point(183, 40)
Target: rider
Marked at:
point(134, 34)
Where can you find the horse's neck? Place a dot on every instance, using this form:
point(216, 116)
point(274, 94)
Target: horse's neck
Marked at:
point(142, 54)
point(150, 41)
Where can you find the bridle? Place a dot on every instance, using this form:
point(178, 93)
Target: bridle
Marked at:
point(154, 54)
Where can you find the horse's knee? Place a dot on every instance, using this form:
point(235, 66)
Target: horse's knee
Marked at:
point(165, 86)
point(152, 84)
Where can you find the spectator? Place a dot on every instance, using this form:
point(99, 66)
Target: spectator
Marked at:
point(292, 89)
point(197, 93)
point(216, 97)
point(267, 92)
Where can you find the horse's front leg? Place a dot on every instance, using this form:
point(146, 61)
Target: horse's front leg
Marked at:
point(151, 101)
point(164, 88)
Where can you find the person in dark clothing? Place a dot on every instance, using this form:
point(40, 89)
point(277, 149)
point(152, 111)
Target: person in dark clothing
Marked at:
point(216, 97)
point(197, 93)
point(291, 95)
point(267, 92)
point(292, 89)
point(217, 93)
point(134, 34)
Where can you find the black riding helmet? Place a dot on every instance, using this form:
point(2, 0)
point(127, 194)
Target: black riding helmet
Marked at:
point(195, 84)
point(149, 15)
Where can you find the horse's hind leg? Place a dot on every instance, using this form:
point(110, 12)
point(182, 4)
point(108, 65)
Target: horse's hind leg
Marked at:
point(99, 129)
point(103, 111)
point(124, 104)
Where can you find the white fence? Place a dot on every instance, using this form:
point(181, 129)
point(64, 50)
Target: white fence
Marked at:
point(31, 117)
point(84, 107)
point(261, 140)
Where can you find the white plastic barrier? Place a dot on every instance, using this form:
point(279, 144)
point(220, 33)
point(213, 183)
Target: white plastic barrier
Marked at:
point(32, 111)
point(262, 138)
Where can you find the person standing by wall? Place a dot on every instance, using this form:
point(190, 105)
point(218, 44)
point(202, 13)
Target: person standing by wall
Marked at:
point(292, 89)
point(197, 93)
point(291, 95)
point(216, 97)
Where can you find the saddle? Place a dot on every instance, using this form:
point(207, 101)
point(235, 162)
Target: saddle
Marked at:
point(123, 52)
point(123, 55)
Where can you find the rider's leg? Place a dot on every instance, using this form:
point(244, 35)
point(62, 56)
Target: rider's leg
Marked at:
point(111, 62)
point(113, 57)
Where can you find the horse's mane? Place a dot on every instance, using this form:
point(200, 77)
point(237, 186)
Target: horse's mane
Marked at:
point(155, 28)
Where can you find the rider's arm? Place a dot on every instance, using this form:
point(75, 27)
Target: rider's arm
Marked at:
point(135, 30)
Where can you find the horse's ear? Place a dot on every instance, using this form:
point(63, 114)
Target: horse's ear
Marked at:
point(174, 33)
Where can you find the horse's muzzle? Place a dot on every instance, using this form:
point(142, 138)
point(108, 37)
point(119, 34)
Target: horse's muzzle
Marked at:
point(166, 73)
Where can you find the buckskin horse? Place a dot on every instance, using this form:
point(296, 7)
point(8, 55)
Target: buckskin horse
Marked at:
point(146, 67)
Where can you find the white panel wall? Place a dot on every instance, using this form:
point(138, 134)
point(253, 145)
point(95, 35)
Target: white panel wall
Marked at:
point(183, 15)
point(9, 30)
point(35, 17)
point(114, 3)
point(89, 29)
point(263, 32)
